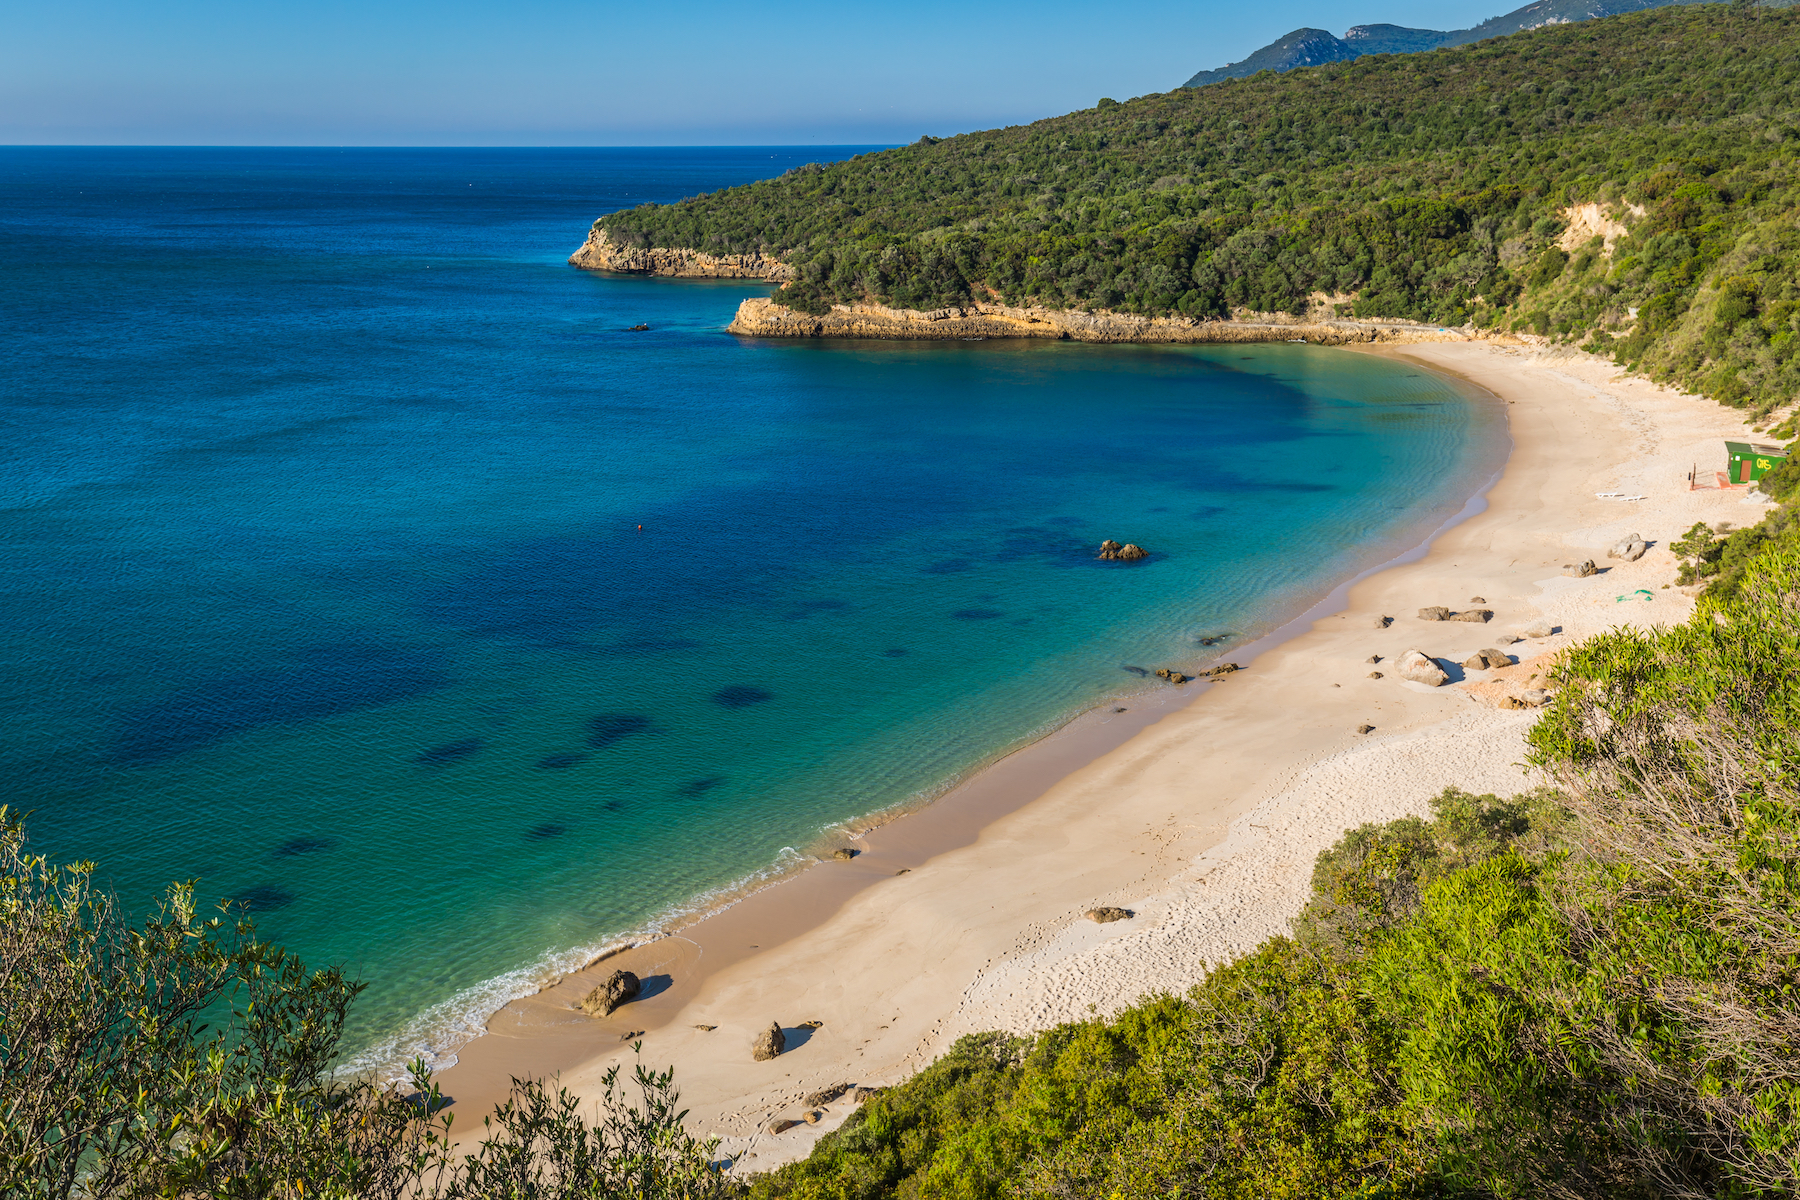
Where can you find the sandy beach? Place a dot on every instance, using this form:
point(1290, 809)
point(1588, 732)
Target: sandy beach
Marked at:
point(1200, 809)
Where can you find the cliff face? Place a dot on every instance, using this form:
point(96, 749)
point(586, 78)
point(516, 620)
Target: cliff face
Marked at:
point(600, 253)
point(758, 317)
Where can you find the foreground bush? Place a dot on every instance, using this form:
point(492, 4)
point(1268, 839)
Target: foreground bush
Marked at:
point(183, 1057)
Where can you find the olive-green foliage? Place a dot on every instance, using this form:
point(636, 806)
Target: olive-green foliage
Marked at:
point(180, 1057)
point(1430, 185)
point(1721, 556)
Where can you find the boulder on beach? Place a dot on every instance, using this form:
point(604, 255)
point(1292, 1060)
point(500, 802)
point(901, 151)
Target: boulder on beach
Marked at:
point(1375, 675)
point(1365, 728)
point(1474, 616)
point(1416, 666)
point(812, 1118)
point(1536, 697)
point(1510, 702)
point(1631, 547)
point(1383, 622)
point(770, 1043)
point(824, 1096)
point(1487, 660)
point(865, 1093)
point(1220, 671)
point(844, 854)
point(782, 1126)
point(1540, 629)
point(1436, 612)
point(621, 987)
point(1106, 915)
point(1173, 676)
point(1373, 658)
point(1582, 569)
point(1477, 599)
point(1129, 552)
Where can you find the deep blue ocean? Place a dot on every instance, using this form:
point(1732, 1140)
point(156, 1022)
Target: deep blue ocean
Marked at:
point(359, 563)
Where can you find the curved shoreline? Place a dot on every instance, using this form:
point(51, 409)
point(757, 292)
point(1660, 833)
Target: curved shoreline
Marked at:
point(538, 1034)
point(1205, 821)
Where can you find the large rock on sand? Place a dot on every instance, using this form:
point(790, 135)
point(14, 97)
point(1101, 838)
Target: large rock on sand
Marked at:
point(1436, 612)
point(1582, 569)
point(1487, 660)
point(1418, 667)
point(1106, 914)
point(1631, 547)
point(1475, 616)
point(621, 987)
point(770, 1043)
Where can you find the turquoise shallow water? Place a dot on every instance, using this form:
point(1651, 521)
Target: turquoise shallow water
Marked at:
point(324, 583)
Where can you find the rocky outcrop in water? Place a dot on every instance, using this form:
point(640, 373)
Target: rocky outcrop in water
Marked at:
point(1129, 552)
point(601, 253)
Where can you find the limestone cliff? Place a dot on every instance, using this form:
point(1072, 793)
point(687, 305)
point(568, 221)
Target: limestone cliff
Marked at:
point(758, 317)
point(600, 253)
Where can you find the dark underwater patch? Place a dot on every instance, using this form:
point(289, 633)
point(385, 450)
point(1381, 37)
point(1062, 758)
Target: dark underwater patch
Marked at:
point(449, 752)
point(810, 608)
point(977, 614)
point(949, 566)
point(546, 831)
point(699, 787)
point(896, 652)
point(303, 845)
point(608, 728)
point(264, 897)
point(326, 681)
point(560, 762)
point(741, 696)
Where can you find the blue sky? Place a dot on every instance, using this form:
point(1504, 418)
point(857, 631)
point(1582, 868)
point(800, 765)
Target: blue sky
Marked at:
point(649, 72)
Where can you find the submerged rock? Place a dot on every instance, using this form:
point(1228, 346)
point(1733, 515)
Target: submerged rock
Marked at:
point(770, 1043)
point(1418, 667)
point(621, 987)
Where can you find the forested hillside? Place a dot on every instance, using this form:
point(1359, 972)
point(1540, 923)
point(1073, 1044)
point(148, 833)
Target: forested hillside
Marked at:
point(1313, 47)
point(1433, 187)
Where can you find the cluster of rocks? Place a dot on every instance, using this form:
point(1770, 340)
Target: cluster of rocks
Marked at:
point(844, 853)
point(1106, 915)
point(1220, 671)
point(1171, 675)
point(1129, 552)
point(621, 987)
point(1580, 570)
point(1474, 616)
point(818, 1100)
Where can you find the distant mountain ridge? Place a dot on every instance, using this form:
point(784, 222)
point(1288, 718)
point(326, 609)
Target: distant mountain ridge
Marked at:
point(1314, 47)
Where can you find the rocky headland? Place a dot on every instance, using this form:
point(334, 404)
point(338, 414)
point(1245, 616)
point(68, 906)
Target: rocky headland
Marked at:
point(759, 317)
point(601, 253)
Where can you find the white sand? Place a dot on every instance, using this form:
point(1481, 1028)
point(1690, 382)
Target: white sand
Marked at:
point(1206, 823)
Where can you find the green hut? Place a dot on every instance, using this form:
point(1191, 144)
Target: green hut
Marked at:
point(1750, 461)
